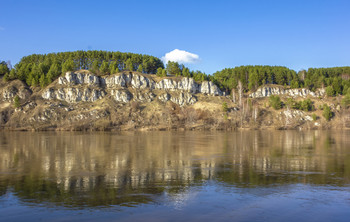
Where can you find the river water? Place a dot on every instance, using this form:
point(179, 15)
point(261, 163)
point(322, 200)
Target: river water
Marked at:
point(175, 176)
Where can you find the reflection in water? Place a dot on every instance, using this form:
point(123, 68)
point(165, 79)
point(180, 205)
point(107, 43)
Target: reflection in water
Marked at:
point(127, 169)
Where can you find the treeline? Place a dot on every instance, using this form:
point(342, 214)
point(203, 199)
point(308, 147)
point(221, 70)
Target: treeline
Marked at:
point(336, 80)
point(174, 68)
point(4, 69)
point(252, 77)
point(42, 69)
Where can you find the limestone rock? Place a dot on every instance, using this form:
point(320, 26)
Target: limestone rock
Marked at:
point(75, 78)
point(266, 91)
point(184, 99)
point(209, 88)
point(166, 84)
point(116, 81)
point(73, 95)
point(189, 85)
point(123, 96)
point(143, 96)
point(164, 97)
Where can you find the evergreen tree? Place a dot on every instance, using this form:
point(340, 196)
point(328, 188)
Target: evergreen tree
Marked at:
point(95, 66)
point(68, 65)
point(104, 68)
point(140, 68)
point(129, 65)
point(53, 73)
point(113, 67)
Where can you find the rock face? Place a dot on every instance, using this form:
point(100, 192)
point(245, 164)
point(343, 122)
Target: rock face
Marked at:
point(86, 87)
point(16, 88)
point(210, 89)
point(123, 96)
point(76, 78)
point(73, 95)
point(267, 91)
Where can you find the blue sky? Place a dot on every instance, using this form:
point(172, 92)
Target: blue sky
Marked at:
point(296, 34)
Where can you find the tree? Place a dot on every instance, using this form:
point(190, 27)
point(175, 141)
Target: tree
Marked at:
point(129, 65)
point(330, 91)
point(104, 67)
point(113, 67)
point(95, 67)
point(42, 81)
point(327, 113)
point(68, 65)
point(160, 72)
point(16, 101)
point(4, 68)
point(140, 68)
point(275, 102)
point(186, 72)
point(173, 68)
point(53, 73)
point(224, 107)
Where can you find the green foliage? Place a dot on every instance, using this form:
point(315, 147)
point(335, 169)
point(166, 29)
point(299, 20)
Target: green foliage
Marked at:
point(173, 68)
point(16, 101)
point(113, 67)
point(68, 65)
point(140, 68)
point(72, 61)
point(129, 65)
point(327, 113)
point(4, 68)
point(254, 76)
point(104, 69)
point(314, 117)
point(346, 100)
point(186, 72)
point(330, 91)
point(53, 72)
point(161, 72)
point(224, 107)
point(275, 102)
point(305, 105)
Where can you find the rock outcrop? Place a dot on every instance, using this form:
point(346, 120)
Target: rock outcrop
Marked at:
point(73, 95)
point(15, 88)
point(86, 87)
point(267, 91)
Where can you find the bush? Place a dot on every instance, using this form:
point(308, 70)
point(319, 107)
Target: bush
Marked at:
point(275, 102)
point(16, 101)
point(314, 117)
point(224, 107)
point(330, 91)
point(327, 113)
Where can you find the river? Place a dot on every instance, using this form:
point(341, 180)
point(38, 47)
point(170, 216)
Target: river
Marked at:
point(175, 176)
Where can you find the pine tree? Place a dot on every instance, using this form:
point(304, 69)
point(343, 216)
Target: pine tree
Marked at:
point(104, 68)
point(68, 65)
point(95, 66)
point(140, 69)
point(129, 65)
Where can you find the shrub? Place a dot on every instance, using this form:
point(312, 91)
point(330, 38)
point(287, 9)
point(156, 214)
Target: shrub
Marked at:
point(16, 100)
point(327, 113)
point(314, 117)
point(224, 107)
point(275, 102)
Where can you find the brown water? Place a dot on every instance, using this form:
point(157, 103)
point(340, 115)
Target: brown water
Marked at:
point(175, 176)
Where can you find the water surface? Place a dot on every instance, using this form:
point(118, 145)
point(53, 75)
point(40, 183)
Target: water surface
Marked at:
point(175, 176)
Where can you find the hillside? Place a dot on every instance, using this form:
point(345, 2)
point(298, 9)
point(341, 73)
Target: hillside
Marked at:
point(81, 100)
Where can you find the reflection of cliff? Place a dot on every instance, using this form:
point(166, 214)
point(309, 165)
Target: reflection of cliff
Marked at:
point(105, 168)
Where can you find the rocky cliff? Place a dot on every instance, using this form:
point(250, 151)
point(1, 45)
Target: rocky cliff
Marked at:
point(267, 91)
point(126, 101)
point(85, 87)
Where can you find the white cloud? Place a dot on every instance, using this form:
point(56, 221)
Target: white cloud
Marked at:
point(180, 56)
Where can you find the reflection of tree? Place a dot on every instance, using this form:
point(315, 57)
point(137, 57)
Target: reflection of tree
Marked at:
point(102, 169)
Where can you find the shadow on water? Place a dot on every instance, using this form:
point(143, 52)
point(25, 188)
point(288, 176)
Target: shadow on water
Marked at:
point(83, 170)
